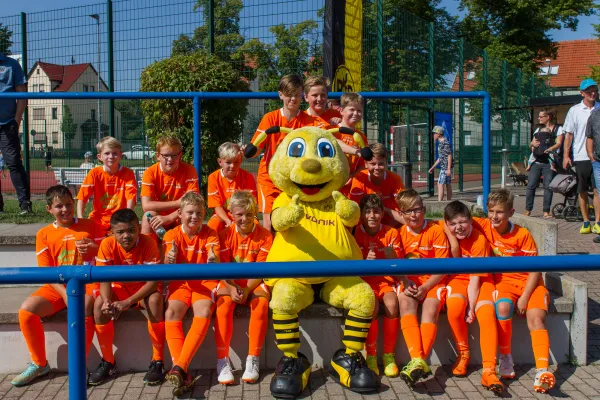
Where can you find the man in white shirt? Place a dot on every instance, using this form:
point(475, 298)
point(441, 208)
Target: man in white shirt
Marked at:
point(575, 147)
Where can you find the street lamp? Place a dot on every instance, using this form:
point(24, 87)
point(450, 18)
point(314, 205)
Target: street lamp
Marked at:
point(97, 18)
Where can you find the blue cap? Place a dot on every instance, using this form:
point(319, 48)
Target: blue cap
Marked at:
point(586, 83)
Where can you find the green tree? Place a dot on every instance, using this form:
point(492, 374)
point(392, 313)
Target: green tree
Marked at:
point(132, 119)
point(222, 120)
point(595, 69)
point(5, 39)
point(67, 126)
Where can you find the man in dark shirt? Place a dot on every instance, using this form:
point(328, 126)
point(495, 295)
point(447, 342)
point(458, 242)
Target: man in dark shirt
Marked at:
point(592, 146)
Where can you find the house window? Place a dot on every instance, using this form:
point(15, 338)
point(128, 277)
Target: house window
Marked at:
point(35, 88)
point(39, 113)
point(92, 89)
point(93, 114)
point(38, 71)
point(42, 87)
point(54, 137)
point(467, 138)
point(86, 88)
point(54, 113)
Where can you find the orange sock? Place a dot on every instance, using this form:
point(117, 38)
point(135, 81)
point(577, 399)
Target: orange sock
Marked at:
point(488, 335)
point(428, 332)
point(224, 325)
point(390, 333)
point(193, 340)
point(540, 341)
point(157, 337)
point(505, 335)
point(412, 335)
point(371, 342)
point(106, 336)
point(89, 334)
point(259, 323)
point(175, 339)
point(33, 331)
point(456, 307)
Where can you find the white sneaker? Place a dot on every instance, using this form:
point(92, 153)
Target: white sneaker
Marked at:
point(506, 368)
point(544, 381)
point(224, 371)
point(252, 372)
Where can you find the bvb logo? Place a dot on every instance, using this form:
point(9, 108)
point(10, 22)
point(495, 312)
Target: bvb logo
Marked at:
point(342, 81)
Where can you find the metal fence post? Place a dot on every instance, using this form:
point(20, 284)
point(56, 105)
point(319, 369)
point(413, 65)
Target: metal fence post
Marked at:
point(519, 83)
point(25, 122)
point(487, 151)
point(505, 142)
point(76, 338)
point(198, 139)
point(380, 127)
point(211, 26)
point(430, 160)
point(461, 114)
point(111, 66)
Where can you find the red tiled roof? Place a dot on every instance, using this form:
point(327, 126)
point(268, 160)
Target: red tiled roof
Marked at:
point(65, 75)
point(573, 59)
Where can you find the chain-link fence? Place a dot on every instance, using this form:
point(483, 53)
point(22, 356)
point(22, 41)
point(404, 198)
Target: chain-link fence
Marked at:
point(106, 46)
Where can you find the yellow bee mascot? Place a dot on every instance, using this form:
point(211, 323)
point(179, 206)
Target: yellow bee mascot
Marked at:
point(311, 219)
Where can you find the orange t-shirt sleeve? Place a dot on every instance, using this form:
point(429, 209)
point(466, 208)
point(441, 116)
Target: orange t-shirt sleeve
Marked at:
point(528, 246)
point(398, 185)
point(214, 194)
point(149, 252)
point(249, 183)
point(441, 246)
point(87, 186)
point(225, 246)
point(212, 240)
point(191, 181)
point(168, 240)
point(42, 251)
point(393, 240)
point(148, 187)
point(266, 122)
point(130, 185)
point(357, 190)
point(265, 247)
point(105, 256)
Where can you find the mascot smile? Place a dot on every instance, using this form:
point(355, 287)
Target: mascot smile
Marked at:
point(312, 221)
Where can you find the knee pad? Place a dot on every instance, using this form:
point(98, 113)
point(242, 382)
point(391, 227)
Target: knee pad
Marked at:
point(510, 313)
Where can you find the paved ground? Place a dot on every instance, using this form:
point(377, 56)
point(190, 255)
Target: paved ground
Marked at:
point(572, 382)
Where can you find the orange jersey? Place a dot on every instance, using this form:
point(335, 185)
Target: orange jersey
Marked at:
point(516, 242)
point(353, 161)
point(55, 246)
point(431, 242)
point(110, 192)
point(323, 121)
point(160, 186)
point(144, 252)
point(192, 250)
point(220, 188)
point(252, 248)
point(276, 118)
point(387, 190)
point(386, 237)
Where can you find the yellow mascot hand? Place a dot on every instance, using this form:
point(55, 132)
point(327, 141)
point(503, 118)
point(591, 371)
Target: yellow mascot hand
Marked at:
point(346, 209)
point(288, 216)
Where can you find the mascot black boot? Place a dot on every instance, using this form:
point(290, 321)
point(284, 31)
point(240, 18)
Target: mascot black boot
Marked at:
point(351, 371)
point(291, 377)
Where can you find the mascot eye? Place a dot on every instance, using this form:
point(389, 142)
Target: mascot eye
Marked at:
point(325, 148)
point(296, 148)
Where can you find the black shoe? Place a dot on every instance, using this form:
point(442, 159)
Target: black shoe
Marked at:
point(26, 210)
point(104, 370)
point(597, 239)
point(155, 374)
point(351, 371)
point(291, 377)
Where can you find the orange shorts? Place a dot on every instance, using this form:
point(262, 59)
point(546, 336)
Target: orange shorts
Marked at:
point(267, 193)
point(124, 290)
point(437, 292)
point(382, 285)
point(54, 298)
point(458, 284)
point(539, 298)
point(189, 292)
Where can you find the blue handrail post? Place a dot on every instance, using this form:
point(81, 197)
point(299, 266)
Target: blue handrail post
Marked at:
point(487, 104)
point(76, 339)
point(197, 138)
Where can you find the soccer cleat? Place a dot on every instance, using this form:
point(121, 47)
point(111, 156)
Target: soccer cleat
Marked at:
point(176, 376)
point(155, 374)
point(461, 364)
point(596, 228)
point(351, 371)
point(414, 370)
point(182, 380)
point(506, 367)
point(390, 369)
point(372, 364)
point(252, 372)
point(585, 229)
point(104, 370)
point(224, 372)
point(291, 377)
point(544, 381)
point(490, 381)
point(31, 373)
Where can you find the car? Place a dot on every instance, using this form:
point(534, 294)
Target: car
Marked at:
point(139, 152)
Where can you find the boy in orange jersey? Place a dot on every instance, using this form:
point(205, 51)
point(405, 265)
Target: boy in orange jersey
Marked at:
point(289, 116)
point(379, 180)
point(378, 241)
point(66, 241)
point(127, 247)
point(190, 243)
point(421, 239)
point(244, 241)
point(224, 182)
point(112, 185)
point(525, 289)
point(164, 183)
point(477, 290)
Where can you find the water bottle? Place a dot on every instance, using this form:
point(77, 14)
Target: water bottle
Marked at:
point(160, 232)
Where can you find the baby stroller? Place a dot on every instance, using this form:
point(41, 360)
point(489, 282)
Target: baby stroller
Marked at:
point(565, 183)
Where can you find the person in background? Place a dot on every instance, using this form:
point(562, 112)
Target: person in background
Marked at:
point(48, 159)
point(445, 162)
point(87, 163)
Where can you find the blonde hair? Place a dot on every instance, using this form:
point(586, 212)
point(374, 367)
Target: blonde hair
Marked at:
point(500, 196)
point(169, 141)
point(351, 98)
point(379, 150)
point(244, 200)
point(229, 151)
point(313, 81)
point(108, 142)
point(191, 199)
point(290, 83)
point(408, 198)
